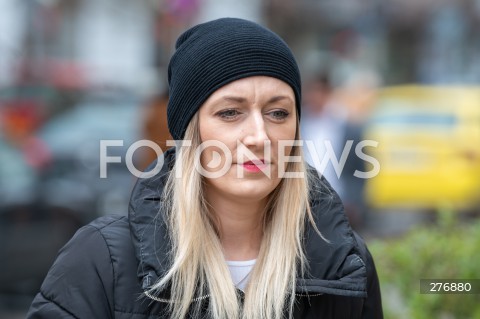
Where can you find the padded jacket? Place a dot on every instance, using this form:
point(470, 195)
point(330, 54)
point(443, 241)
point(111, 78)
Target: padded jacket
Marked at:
point(103, 270)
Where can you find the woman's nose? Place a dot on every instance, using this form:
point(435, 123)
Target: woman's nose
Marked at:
point(255, 130)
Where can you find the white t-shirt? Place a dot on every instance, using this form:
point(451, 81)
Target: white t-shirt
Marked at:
point(240, 272)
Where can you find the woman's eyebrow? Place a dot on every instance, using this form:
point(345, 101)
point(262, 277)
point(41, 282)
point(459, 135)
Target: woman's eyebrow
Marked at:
point(279, 98)
point(236, 99)
point(241, 100)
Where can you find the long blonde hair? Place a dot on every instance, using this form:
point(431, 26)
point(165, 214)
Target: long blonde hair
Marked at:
point(199, 270)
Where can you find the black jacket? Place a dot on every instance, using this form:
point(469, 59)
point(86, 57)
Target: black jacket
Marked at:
point(102, 271)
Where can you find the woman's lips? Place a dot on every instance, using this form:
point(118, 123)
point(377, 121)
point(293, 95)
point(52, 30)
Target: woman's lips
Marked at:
point(255, 166)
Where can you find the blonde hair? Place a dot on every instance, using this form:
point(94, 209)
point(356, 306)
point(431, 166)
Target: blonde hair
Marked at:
point(199, 269)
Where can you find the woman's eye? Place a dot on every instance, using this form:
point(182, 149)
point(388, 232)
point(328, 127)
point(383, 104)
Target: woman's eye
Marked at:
point(279, 114)
point(228, 114)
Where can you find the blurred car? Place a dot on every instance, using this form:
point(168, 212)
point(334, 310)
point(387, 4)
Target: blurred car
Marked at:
point(428, 147)
point(41, 209)
point(73, 179)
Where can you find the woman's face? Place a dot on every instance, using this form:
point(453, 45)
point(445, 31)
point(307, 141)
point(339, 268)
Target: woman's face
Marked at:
point(247, 118)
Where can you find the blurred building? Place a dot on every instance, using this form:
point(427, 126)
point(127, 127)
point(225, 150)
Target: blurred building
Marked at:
point(405, 41)
point(107, 39)
point(423, 41)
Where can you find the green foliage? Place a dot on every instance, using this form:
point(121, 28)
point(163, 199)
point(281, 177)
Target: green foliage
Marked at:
point(448, 250)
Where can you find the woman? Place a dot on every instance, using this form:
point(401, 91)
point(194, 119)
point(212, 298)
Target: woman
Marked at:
point(234, 225)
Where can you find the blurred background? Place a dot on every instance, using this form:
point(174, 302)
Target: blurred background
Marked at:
point(391, 104)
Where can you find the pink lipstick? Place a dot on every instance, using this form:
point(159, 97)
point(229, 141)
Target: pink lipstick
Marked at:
point(255, 166)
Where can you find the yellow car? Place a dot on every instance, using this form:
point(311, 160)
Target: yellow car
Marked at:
point(428, 147)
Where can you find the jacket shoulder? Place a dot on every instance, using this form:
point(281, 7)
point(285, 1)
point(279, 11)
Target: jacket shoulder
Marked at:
point(97, 272)
point(113, 229)
point(109, 222)
point(128, 295)
point(80, 282)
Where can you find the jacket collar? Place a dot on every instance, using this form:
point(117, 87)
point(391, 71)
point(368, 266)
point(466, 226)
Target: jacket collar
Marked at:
point(334, 268)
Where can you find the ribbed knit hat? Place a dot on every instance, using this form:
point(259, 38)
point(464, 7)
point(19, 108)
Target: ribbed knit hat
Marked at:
point(213, 54)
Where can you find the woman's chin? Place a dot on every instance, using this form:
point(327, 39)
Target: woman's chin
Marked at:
point(246, 188)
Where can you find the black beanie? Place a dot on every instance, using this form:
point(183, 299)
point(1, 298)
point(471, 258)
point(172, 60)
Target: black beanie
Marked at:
point(213, 54)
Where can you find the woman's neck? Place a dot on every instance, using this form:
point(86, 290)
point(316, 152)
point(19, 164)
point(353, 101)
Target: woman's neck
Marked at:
point(240, 227)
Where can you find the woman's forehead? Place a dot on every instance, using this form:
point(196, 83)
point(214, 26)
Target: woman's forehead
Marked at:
point(258, 87)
